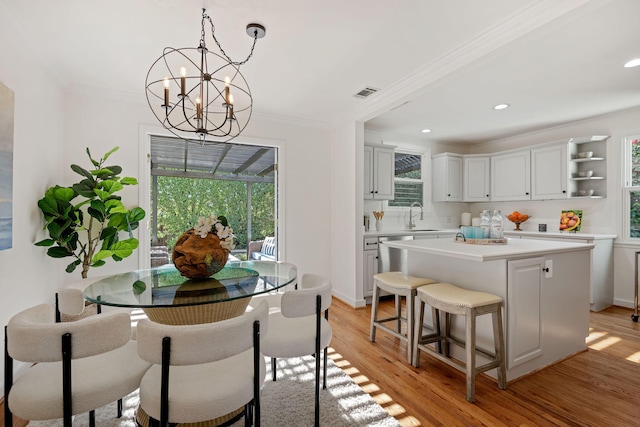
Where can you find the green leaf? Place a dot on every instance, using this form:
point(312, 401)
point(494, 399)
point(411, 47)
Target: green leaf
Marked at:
point(110, 152)
point(127, 180)
point(108, 233)
point(136, 214)
point(95, 163)
point(118, 221)
point(98, 264)
point(71, 267)
point(64, 194)
point(102, 173)
point(55, 231)
point(139, 287)
point(58, 252)
point(48, 205)
point(223, 220)
point(103, 195)
point(45, 242)
point(85, 188)
point(115, 206)
point(117, 170)
point(81, 171)
point(121, 249)
point(95, 214)
point(111, 186)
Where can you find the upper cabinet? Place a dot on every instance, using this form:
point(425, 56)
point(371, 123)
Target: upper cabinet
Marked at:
point(476, 178)
point(549, 179)
point(379, 172)
point(511, 176)
point(446, 177)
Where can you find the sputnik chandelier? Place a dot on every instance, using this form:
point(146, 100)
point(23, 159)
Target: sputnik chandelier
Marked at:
point(194, 90)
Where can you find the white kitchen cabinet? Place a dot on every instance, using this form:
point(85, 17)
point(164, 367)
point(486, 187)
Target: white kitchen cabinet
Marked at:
point(525, 315)
point(511, 176)
point(379, 172)
point(370, 263)
point(549, 177)
point(446, 177)
point(476, 178)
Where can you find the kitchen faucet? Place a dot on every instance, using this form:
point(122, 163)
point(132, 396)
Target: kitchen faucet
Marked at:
point(412, 224)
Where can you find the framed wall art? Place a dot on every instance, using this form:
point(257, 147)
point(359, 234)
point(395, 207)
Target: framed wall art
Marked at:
point(6, 166)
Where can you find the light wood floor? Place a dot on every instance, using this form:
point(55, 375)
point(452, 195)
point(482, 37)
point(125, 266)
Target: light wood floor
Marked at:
point(599, 387)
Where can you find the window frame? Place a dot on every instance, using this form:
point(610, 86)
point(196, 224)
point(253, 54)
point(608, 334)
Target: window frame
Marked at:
point(424, 173)
point(628, 188)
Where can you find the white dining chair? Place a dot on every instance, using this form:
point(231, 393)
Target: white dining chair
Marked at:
point(76, 366)
point(203, 372)
point(302, 328)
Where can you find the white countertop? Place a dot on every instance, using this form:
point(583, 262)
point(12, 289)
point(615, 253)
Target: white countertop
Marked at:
point(373, 233)
point(515, 248)
point(558, 234)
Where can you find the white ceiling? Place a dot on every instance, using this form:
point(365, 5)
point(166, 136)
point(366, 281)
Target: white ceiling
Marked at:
point(553, 61)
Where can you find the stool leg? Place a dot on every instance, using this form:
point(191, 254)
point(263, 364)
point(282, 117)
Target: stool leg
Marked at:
point(435, 316)
point(447, 331)
point(417, 332)
point(410, 302)
point(398, 313)
point(471, 354)
point(499, 346)
point(374, 311)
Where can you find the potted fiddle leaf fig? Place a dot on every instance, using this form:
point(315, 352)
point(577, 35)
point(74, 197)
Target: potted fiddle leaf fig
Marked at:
point(85, 220)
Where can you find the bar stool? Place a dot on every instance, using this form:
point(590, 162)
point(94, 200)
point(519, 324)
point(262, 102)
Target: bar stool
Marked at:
point(454, 300)
point(400, 285)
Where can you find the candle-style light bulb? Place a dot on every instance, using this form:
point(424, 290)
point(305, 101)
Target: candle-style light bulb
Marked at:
point(166, 92)
point(230, 108)
point(198, 109)
point(228, 98)
point(183, 81)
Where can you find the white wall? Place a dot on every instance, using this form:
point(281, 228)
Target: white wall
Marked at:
point(27, 275)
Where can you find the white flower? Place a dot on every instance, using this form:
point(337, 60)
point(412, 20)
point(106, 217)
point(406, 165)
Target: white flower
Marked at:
point(212, 225)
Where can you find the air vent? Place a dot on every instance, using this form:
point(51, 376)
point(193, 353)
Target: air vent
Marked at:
point(367, 91)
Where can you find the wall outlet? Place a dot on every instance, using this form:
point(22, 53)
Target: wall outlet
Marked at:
point(548, 269)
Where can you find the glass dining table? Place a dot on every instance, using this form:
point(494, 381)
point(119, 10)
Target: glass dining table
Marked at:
point(167, 297)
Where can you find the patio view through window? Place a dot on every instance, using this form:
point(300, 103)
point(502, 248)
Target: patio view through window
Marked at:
point(633, 186)
point(190, 180)
point(408, 180)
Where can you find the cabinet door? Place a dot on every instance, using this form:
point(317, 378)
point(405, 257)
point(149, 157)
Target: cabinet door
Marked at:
point(383, 173)
point(368, 172)
point(476, 179)
point(524, 310)
point(370, 269)
point(446, 178)
point(510, 176)
point(549, 177)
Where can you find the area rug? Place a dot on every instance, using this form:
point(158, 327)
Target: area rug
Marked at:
point(287, 402)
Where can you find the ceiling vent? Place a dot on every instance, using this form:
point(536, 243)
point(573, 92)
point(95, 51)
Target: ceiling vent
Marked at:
point(366, 92)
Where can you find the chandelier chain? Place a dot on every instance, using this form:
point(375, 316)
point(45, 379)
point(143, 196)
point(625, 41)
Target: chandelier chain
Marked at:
point(213, 34)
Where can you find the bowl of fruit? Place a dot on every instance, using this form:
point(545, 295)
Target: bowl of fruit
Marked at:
point(517, 218)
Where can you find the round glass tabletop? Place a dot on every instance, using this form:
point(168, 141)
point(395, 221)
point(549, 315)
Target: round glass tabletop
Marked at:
point(165, 287)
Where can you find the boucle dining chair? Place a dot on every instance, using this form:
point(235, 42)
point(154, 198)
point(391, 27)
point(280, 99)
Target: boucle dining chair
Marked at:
point(203, 372)
point(302, 328)
point(77, 366)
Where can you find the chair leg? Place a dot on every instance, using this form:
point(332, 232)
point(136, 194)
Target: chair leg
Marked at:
point(374, 312)
point(8, 382)
point(398, 313)
point(417, 333)
point(273, 368)
point(92, 418)
point(498, 337)
point(119, 408)
point(471, 354)
point(324, 378)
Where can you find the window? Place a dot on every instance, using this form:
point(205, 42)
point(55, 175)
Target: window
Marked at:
point(409, 185)
point(632, 187)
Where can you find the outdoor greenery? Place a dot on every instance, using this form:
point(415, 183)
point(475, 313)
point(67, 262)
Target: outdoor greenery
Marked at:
point(89, 230)
point(181, 201)
point(634, 214)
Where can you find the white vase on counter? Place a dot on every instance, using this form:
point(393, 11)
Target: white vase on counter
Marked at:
point(378, 225)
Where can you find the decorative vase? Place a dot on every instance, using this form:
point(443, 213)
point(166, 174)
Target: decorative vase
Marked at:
point(378, 225)
point(196, 257)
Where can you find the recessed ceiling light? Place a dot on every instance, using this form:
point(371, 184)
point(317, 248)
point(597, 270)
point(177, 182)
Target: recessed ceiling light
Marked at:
point(426, 130)
point(501, 106)
point(632, 63)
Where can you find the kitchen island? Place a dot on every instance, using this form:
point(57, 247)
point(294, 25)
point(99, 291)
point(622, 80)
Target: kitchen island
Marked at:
point(544, 286)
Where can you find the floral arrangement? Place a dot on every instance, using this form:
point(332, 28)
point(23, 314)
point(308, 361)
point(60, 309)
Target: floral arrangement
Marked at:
point(217, 225)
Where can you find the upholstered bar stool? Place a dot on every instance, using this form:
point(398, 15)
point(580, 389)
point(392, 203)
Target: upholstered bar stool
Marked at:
point(400, 285)
point(453, 300)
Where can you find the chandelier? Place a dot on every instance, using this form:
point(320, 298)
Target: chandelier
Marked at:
point(194, 90)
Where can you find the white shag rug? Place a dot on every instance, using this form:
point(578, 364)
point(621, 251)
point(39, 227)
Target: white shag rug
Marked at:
point(287, 402)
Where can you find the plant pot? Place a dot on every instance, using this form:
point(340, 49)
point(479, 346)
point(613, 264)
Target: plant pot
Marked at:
point(199, 258)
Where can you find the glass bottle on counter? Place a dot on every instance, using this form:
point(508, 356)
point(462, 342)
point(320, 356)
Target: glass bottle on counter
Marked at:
point(485, 222)
point(497, 226)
